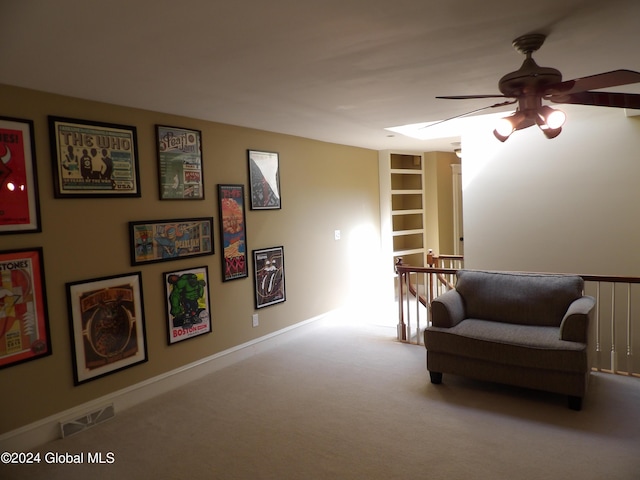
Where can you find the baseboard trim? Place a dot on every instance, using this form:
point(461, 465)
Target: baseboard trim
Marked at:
point(43, 431)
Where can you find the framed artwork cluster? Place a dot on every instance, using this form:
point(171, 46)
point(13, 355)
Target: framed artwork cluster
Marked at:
point(92, 159)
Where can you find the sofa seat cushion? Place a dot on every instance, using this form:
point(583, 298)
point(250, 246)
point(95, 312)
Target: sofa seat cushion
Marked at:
point(509, 344)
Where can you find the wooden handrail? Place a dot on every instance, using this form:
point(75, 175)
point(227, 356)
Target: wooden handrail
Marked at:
point(615, 324)
point(402, 268)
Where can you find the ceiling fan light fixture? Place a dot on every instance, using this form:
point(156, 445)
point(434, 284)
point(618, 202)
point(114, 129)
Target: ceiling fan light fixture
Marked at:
point(501, 137)
point(551, 132)
point(507, 125)
point(551, 118)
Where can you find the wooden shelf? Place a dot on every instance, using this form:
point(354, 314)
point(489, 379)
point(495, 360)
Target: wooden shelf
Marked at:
point(412, 251)
point(407, 212)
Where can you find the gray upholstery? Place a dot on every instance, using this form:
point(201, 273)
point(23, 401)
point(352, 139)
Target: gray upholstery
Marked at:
point(523, 329)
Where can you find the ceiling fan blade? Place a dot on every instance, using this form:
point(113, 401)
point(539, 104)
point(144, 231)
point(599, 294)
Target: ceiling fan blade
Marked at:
point(468, 97)
point(495, 105)
point(614, 78)
point(601, 99)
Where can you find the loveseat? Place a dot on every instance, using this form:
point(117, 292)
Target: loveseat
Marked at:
point(525, 329)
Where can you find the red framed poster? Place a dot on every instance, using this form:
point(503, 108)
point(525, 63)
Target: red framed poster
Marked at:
point(24, 325)
point(19, 208)
point(233, 234)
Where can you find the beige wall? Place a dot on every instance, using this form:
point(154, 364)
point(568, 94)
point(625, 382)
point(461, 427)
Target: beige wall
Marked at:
point(569, 204)
point(324, 187)
point(439, 201)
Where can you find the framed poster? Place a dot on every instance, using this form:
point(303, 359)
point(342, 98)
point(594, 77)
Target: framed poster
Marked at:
point(19, 200)
point(160, 241)
point(187, 303)
point(264, 180)
point(233, 235)
point(24, 325)
point(93, 159)
point(179, 163)
point(107, 325)
point(268, 267)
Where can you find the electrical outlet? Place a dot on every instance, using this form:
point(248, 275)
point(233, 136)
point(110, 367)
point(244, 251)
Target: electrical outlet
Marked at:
point(254, 320)
point(336, 234)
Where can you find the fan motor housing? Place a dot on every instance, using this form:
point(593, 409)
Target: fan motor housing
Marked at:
point(529, 79)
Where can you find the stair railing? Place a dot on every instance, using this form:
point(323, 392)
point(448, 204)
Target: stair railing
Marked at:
point(616, 317)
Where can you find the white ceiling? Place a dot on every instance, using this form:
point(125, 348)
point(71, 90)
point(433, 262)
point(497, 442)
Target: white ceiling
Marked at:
point(333, 70)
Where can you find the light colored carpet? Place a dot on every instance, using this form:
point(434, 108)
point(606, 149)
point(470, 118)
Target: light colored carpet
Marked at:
point(346, 401)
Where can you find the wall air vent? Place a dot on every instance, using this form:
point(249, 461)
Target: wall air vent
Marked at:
point(88, 420)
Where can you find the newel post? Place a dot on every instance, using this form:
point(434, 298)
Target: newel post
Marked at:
point(402, 328)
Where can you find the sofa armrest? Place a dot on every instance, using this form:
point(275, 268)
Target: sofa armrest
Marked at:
point(447, 310)
point(575, 324)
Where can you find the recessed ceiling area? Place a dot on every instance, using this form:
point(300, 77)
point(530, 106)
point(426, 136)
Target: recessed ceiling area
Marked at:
point(337, 71)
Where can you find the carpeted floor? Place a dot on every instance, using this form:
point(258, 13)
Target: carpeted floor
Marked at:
point(346, 401)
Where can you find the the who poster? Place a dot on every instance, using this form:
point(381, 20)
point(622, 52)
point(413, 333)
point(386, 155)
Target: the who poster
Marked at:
point(232, 231)
point(93, 159)
point(187, 303)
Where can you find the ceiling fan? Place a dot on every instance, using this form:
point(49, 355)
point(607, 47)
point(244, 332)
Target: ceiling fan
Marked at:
point(531, 84)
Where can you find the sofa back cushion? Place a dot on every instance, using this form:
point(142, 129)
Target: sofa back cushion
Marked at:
point(522, 298)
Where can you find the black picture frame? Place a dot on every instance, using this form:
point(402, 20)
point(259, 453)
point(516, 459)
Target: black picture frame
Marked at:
point(93, 159)
point(24, 324)
point(107, 325)
point(19, 197)
point(269, 278)
point(180, 166)
point(153, 241)
point(264, 180)
point(233, 232)
point(187, 303)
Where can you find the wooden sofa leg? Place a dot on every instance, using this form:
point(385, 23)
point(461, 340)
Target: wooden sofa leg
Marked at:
point(436, 377)
point(575, 403)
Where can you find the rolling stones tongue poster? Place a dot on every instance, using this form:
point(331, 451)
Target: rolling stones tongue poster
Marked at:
point(269, 276)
